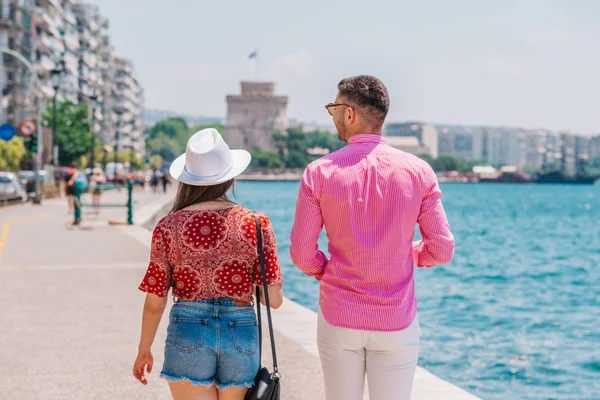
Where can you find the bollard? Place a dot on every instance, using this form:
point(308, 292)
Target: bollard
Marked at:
point(77, 201)
point(130, 202)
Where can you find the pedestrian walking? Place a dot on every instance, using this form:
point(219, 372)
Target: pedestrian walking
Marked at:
point(205, 251)
point(96, 181)
point(70, 179)
point(154, 180)
point(369, 197)
point(165, 181)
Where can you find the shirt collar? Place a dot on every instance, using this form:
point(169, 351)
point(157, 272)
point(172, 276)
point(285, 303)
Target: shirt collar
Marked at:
point(366, 138)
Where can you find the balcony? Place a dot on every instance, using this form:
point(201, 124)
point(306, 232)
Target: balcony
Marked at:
point(125, 105)
point(70, 18)
point(93, 44)
point(90, 59)
point(56, 4)
point(47, 91)
point(44, 44)
point(47, 22)
point(71, 69)
point(48, 44)
point(71, 59)
point(44, 65)
point(94, 27)
point(72, 42)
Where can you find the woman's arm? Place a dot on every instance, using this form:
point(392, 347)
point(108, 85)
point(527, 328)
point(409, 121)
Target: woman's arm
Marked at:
point(72, 180)
point(275, 296)
point(154, 307)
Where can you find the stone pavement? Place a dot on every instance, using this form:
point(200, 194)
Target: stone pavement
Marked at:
point(70, 311)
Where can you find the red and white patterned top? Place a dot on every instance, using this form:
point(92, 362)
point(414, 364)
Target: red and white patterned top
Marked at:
point(210, 253)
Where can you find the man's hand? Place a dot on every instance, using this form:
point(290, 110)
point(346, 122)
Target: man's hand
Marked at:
point(143, 363)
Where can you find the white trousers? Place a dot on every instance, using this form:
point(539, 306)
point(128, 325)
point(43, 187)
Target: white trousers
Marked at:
point(389, 360)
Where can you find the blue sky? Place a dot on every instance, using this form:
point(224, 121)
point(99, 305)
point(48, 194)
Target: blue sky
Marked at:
point(530, 63)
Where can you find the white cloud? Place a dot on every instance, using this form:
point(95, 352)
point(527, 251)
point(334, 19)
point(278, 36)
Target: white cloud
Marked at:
point(549, 36)
point(500, 66)
point(299, 62)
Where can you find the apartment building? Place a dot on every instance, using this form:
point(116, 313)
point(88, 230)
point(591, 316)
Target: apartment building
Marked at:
point(128, 97)
point(461, 141)
point(18, 99)
point(426, 134)
point(68, 44)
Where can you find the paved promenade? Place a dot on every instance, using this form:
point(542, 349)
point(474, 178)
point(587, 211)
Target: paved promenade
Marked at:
point(70, 310)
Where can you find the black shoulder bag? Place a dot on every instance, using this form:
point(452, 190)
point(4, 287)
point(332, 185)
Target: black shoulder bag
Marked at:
point(266, 384)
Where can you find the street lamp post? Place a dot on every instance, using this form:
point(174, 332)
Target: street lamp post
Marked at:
point(94, 104)
point(119, 112)
point(131, 158)
point(132, 149)
point(56, 75)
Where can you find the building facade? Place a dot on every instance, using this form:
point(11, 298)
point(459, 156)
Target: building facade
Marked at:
point(594, 148)
point(254, 115)
point(409, 144)
point(504, 146)
point(426, 134)
point(127, 107)
point(461, 141)
point(16, 33)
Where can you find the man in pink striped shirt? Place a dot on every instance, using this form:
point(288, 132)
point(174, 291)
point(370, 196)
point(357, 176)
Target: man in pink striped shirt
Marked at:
point(369, 197)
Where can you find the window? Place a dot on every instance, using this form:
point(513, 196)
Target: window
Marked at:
point(5, 9)
point(463, 142)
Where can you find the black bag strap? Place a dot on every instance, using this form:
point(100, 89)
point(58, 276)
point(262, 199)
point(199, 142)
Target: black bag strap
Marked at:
point(263, 270)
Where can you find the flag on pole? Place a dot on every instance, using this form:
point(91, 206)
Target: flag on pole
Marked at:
point(254, 54)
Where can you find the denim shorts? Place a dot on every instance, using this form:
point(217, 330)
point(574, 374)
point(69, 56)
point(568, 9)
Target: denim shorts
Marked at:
point(212, 342)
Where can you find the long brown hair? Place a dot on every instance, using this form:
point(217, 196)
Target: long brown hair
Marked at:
point(188, 195)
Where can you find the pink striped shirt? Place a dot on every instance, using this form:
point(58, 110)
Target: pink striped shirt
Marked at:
point(369, 196)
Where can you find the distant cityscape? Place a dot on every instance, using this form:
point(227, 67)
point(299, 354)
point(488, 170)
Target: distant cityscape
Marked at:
point(257, 112)
point(525, 149)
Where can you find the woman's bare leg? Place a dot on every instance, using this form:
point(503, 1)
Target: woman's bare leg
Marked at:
point(96, 202)
point(184, 390)
point(232, 393)
point(71, 202)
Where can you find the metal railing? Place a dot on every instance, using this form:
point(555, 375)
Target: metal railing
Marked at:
point(80, 189)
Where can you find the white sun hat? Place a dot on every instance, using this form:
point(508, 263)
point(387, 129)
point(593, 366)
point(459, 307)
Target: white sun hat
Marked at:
point(208, 160)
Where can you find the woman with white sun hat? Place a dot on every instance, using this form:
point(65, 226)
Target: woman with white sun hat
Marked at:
point(206, 251)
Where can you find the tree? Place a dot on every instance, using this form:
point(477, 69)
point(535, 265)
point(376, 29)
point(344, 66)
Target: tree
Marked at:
point(11, 153)
point(428, 159)
point(156, 161)
point(169, 138)
point(296, 160)
point(297, 157)
point(73, 136)
point(167, 148)
point(265, 159)
point(446, 163)
point(220, 128)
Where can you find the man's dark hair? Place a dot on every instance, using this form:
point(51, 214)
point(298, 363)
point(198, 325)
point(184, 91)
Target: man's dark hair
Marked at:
point(368, 94)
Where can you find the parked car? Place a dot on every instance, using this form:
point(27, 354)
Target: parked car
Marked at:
point(27, 179)
point(10, 188)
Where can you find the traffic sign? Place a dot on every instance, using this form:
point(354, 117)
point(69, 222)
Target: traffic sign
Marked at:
point(7, 132)
point(28, 128)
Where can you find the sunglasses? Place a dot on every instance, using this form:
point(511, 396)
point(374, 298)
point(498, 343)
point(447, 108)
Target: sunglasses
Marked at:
point(331, 107)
